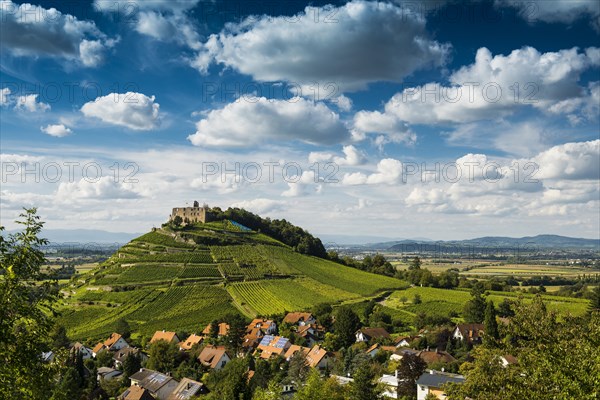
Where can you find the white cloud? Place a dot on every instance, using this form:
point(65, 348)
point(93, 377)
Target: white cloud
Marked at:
point(391, 128)
point(361, 42)
point(260, 205)
point(103, 188)
point(487, 89)
point(298, 185)
point(579, 160)
point(244, 123)
point(389, 172)
point(29, 103)
point(565, 11)
point(58, 130)
point(29, 30)
point(342, 102)
point(4, 97)
point(132, 110)
point(352, 156)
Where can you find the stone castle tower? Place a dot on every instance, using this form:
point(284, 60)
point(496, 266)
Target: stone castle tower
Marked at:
point(192, 214)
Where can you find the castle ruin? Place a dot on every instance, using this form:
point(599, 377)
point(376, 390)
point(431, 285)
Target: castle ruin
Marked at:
point(192, 214)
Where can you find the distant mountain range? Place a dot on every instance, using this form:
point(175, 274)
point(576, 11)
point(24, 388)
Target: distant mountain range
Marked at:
point(85, 236)
point(495, 242)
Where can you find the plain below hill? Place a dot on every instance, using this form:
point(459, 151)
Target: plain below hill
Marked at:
point(181, 278)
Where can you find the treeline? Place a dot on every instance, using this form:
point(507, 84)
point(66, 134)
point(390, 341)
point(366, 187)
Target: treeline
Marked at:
point(280, 229)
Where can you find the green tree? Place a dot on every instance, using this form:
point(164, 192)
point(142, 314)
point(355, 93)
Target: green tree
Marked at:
point(236, 333)
point(505, 308)
point(415, 263)
point(410, 368)
point(231, 383)
point(345, 326)
point(544, 369)
point(104, 358)
point(364, 386)
point(131, 365)
point(417, 299)
point(177, 221)
point(59, 338)
point(26, 313)
point(319, 388)
point(272, 392)
point(163, 356)
point(122, 327)
point(298, 368)
point(68, 386)
point(595, 300)
point(474, 309)
point(491, 324)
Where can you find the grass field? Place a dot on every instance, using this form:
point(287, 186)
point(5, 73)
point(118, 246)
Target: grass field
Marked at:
point(444, 301)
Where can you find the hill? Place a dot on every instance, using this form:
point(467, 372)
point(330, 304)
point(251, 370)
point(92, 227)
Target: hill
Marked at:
point(181, 279)
point(495, 243)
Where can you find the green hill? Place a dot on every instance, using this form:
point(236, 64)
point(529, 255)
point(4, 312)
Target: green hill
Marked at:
point(182, 278)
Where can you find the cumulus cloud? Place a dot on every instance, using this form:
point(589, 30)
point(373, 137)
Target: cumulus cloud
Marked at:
point(389, 172)
point(390, 128)
point(102, 188)
point(342, 102)
point(361, 41)
point(58, 130)
point(29, 30)
point(29, 103)
point(244, 123)
point(132, 110)
point(580, 160)
point(352, 156)
point(487, 89)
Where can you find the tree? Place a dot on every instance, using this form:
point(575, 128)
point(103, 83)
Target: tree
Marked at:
point(177, 221)
point(594, 305)
point(410, 368)
point(237, 331)
point(272, 392)
point(415, 263)
point(213, 333)
point(131, 365)
point(505, 308)
point(298, 368)
point(364, 386)
point(59, 337)
point(68, 387)
point(490, 324)
point(345, 326)
point(231, 383)
point(417, 299)
point(474, 309)
point(26, 313)
point(163, 356)
point(319, 388)
point(544, 370)
point(122, 327)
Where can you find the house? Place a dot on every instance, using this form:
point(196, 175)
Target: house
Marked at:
point(273, 345)
point(86, 352)
point(293, 349)
point(113, 343)
point(390, 384)
point(190, 342)
point(107, 373)
point(366, 334)
point(507, 360)
point(214, 357)
point(437, 356)
point(187, 389)
point(166, 336)
point(312, 333)
point(223, 330)
point(299, 318)
point(121, 355)
point(266, 326)
point(48, 356)
point(399, 353)
point(158, 384)
point(319, 358)
point(136, 393)
point(402, 341)
point(376, 348)
point(472, 333)
point(431, 382)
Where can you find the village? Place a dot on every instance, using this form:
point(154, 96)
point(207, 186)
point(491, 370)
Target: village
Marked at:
point(212, 352)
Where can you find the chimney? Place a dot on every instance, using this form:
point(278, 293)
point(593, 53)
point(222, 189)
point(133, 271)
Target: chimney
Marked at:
point(430, 372)
point(396, 374)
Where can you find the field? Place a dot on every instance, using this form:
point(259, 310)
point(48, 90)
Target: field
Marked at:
point(444, 301)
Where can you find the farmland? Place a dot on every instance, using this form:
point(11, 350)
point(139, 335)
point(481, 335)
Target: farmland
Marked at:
point(446, 301)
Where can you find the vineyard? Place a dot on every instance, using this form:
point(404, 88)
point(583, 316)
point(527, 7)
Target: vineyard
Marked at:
point(444, 301)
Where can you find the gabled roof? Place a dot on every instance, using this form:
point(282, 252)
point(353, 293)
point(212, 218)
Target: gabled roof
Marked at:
point(436, 379)
point(436, 356)
point(470, 331)
point(98, 347)
point(316, 354)
point(192, 340)
point(114, 338)
point(223, 329)
point(121, 355)
point(164, 335)
point(136, 393)
point(261, 323)
point(187, 389)
point(211, 355)
point(79, 347)
point(151, 380)
point(293, 349)
point(373, 333)
point(296, 317)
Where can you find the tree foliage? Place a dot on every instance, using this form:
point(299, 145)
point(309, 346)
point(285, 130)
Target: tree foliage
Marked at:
point(345, 325)
point(410, 368)
point(26, 313)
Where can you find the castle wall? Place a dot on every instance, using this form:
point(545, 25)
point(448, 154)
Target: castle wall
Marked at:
point(193, 214)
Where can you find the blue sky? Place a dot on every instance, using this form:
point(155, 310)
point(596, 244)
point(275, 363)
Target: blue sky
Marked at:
point(363, 112)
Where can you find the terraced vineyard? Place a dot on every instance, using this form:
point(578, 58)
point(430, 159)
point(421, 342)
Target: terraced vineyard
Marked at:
point(164, 280)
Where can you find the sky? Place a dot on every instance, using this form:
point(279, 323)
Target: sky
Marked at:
point(400, 119)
